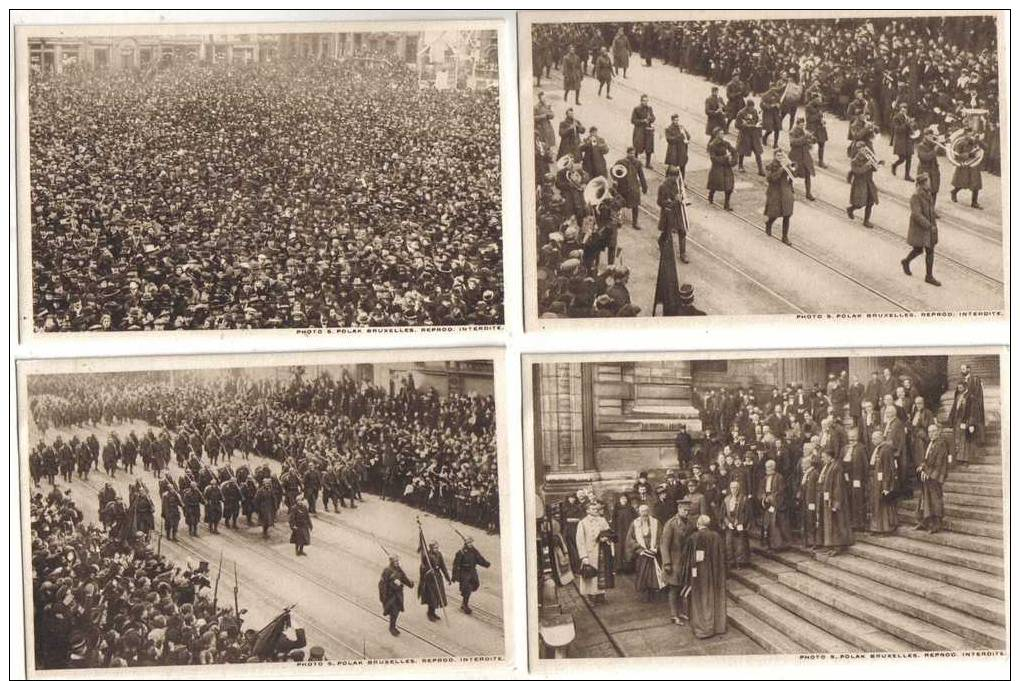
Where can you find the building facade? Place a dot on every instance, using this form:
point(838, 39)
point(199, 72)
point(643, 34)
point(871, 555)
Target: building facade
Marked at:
point(604, 422)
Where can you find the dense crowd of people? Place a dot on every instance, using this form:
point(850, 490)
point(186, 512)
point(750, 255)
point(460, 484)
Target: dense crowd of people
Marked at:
point(814, 465)
point(413, 445)
point(101, 601)
point(286, 194)
point(939, 66)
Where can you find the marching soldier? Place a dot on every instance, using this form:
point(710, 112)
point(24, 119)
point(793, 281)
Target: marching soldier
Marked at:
point(604, 72)
point(643, 120)
point(300, 527)
point(570, 136)
point(621, 52)
point(903, 145)
point(736, 90)
point(192, 502)
point(771, 119)
point(230, 491)
point(465, 571)
point(431, 573)
point(749, 136)
point(863, 192)
point(677, 142)
point(631, 187)
point(928, 161)
point(800, 156)
point(967, 177)
point(923, 233)
point(171, 512)
point(213, 506)
point(391, 592)
point(266, 504)
point(593, 154)
point(720, 177)
point(313, 483)
point(779, 194)
point(714, 112)
point(572, 75)
point(814, 116)
point(669, 200)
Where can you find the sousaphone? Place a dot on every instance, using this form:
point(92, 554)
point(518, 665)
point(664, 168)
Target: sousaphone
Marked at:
point(596, 191)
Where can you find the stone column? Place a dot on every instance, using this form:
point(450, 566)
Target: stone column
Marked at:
point(58, 58)
point(560, 418)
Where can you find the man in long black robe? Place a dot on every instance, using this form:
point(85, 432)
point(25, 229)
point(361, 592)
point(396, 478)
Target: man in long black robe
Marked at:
point(932, 473)
point(707, 581)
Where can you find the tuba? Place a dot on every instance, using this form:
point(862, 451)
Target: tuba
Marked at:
point(618, 171)
point(596, 191)
point(962, 152)
point(564, 162)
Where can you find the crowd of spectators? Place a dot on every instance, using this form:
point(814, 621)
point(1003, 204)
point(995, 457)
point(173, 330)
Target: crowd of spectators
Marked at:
point(99, 602)
point(938, 65)
point(285, 194)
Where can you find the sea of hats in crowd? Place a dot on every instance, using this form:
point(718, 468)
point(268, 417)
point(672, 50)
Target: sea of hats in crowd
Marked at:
point(101, 603)
point(283, 194)
point(411, 444)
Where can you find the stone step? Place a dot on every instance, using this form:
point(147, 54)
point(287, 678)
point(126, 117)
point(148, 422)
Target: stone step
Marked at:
point(765, 635)
point(990, 515)
point(932, 590)
point(971, 500)
point(947, 573)
point(982, 545)
point(976, 630)
point(974, 477)
point(859, 634)
point(979, 490)
point(949, 524)
point(917, 633)
point(803, 633)
point(942, 553)
point(985, 469)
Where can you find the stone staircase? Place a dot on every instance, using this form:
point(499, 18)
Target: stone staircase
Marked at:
point(906, 592)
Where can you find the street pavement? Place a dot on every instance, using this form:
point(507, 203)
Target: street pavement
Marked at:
point(334, 587)
point(835, 265)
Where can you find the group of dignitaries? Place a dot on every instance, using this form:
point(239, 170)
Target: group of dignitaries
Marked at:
point(290, 194)
point(105, 600)
point(581, 154)
point(812, 467)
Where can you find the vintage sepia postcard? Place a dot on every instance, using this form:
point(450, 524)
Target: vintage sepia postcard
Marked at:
point(301, 177)
point(802, 165)
point(804, 504)
point(312, 510)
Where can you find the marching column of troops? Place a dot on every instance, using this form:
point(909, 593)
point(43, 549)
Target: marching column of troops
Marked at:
point(797, 466)
point(579, 157)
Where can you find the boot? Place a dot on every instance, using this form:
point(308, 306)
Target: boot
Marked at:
point(932, 280)
point(786, 235)
point(906, 266)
